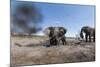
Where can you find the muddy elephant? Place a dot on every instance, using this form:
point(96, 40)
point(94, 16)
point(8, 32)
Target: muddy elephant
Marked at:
point(89, 33)
point(56, 35)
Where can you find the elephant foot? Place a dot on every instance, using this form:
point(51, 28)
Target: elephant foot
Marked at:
point(86, 41)
point(93, 40)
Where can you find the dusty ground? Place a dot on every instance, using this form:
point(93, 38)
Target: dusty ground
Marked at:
point(30, 51)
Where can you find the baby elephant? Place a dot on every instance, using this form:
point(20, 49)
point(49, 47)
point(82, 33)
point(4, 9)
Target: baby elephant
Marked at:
point(89, 33)
point(56, 35)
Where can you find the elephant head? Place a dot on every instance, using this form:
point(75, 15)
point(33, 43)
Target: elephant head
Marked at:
point(55, 33)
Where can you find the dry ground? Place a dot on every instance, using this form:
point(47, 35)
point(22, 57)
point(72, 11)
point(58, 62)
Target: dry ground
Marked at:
point(30, 51)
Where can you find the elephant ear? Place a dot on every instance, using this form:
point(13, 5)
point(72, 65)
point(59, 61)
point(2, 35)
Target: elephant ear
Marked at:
point(63, 30)
point(46, 31)
point(49, 31)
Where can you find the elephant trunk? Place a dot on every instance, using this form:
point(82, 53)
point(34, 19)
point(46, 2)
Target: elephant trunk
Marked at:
point(81, 34)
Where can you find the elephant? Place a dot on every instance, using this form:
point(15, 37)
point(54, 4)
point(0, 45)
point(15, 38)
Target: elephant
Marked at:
point(56, 35)
point(89, 33)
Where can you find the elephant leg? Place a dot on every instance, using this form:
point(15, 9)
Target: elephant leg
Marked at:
point(54, 41)
point(50, 41)
point(58, 42)
point(94, 38)
point(86, 37)
point(64, 41)
point(89, 38)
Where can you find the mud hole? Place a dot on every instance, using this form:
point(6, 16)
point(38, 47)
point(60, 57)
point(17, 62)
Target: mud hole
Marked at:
point(30, 51)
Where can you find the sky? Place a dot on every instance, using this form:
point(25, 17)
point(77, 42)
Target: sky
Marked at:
point(71, 16)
